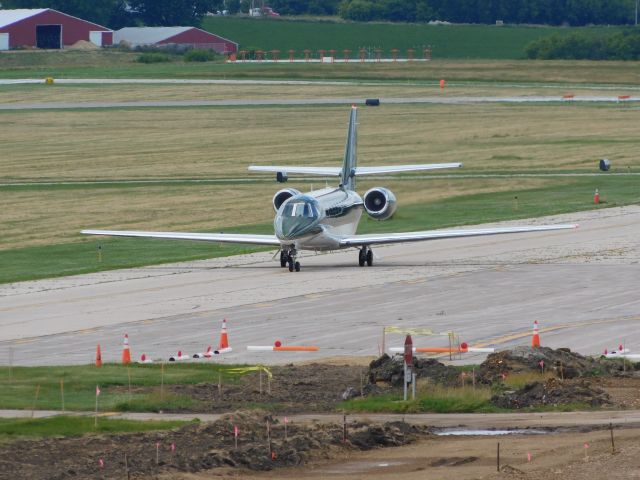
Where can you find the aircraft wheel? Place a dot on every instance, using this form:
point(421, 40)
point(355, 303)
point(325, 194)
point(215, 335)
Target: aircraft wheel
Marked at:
point(362, 257)
point(297, 266)
point(283, 259)
point(290, 265)
point(369, 258)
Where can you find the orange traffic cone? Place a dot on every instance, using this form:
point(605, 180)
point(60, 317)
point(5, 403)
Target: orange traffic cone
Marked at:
point(535, 339)
point(126, 353)
point(224, 338)
point(596, 197)
point(98, 356)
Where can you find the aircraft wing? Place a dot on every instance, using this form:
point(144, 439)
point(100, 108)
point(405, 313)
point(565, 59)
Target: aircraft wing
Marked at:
point(382, 238)
point(404, 168)
point(204, 237)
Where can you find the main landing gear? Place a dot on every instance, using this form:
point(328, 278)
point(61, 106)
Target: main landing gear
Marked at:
point(288, 259)
point(365, 256)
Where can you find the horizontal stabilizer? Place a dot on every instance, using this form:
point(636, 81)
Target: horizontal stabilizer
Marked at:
point(203, 237)
point(335, 171)
point(381, 238)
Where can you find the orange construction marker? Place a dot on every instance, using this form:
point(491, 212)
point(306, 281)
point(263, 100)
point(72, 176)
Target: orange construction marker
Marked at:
point(126, 353)
point(98, 356)
point(535, 339)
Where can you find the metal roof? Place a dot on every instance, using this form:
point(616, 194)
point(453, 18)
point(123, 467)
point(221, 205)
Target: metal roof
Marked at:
point(8, 17)
point(146, 35)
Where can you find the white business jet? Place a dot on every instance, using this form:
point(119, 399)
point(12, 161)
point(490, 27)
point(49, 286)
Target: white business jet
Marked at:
point(327, 219)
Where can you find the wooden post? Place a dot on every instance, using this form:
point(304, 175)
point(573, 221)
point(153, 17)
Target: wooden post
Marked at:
point(220, 384)
point(129, 376)
point(157, 453)
point(344, 428)
point(35, 399)
point(498, 457)
point(613, 447)
point(126, 466)
point(269, 437)
point(162, 381)
point(260, 382)
point(384, 330)
point(62, 392)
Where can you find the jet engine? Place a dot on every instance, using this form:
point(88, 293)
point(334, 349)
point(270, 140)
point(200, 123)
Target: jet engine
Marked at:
point(380, 203)
point(282, 196)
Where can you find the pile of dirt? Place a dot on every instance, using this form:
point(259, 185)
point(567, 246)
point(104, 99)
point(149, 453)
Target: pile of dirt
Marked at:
point(552, 392)
point(293, 389)
point(197, 447)
point(390, 371)
point(82, 45)
point(562, 362)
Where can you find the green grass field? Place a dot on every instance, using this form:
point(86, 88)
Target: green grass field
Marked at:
point(40, 387)
point(558, 196)
point(67, 426)
point(447, 42)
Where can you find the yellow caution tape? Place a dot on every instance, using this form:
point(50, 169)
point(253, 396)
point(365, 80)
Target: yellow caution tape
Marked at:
point(410, 331)
point(245, 370)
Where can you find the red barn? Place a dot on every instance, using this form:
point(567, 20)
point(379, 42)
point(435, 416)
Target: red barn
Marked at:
point(183, 36)
point(47, 28)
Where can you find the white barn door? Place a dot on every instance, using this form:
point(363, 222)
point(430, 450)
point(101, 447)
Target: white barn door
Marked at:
point(4, 41)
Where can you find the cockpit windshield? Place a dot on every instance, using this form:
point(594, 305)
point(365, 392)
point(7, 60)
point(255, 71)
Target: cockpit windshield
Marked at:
point(300, 208)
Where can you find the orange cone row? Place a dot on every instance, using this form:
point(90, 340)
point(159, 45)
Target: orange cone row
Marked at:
point(223, 347)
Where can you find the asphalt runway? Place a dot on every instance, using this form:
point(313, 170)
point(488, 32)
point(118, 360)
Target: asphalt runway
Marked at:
point(581, 285)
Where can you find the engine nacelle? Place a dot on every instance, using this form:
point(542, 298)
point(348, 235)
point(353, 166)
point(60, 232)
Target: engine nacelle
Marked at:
point(380, 203)
point(282, 196)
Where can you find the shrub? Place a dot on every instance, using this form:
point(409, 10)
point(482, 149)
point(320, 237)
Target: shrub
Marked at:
point(199, 56)
point(153, 57)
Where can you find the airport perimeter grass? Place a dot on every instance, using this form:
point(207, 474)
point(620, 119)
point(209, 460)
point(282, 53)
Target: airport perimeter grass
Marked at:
point(71, 426)
point(40, 387)
point(558, 196)
point(115, 64)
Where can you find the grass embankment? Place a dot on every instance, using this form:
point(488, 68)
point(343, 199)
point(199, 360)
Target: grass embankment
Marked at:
point(462, 399)
point(46, 388)
point(71, 426)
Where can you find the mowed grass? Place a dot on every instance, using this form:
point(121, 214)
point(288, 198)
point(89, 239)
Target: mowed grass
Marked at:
point(40, 387)
point(40, 224)
point(71, 426)
point(557, 196)
point(115, 64)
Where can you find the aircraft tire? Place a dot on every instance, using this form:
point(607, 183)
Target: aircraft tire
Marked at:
point(369, 258)
point(297, 266)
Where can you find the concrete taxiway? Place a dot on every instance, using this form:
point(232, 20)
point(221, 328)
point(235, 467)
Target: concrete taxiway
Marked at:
point(581, 285)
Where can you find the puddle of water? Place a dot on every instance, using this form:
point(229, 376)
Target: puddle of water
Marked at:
point(464, 432)
point(358, 467)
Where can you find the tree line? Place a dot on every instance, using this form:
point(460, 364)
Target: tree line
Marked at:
point(623, 45)
point(121, 13)
point(547, 12)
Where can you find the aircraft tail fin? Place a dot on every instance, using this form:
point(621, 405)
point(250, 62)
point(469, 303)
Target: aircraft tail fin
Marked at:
point(349, 164)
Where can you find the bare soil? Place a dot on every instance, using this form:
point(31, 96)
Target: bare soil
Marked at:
point(315, 450)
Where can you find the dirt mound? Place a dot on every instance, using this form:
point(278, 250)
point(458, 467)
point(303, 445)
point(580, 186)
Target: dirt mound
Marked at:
point(196, 447)
point(390, 370)
point(82, 45)
point(552, 392)
point(563, 362)
point(293, 389)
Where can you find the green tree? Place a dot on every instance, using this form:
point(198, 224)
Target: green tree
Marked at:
point(171, 13)
point(97, 11)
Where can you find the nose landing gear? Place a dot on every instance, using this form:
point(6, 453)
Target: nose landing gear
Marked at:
point(288, 259)
point(365, 256)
